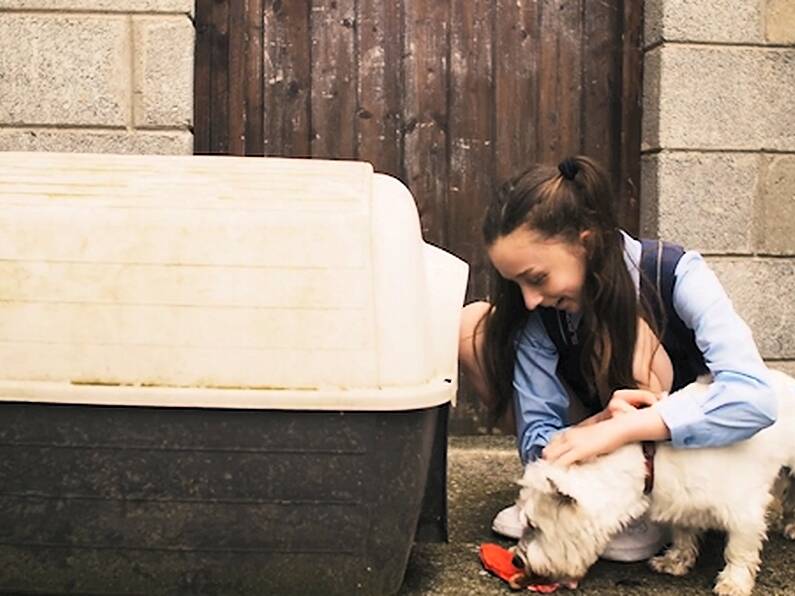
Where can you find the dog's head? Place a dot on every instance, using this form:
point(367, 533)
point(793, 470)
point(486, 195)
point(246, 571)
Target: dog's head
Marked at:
point(567, 522)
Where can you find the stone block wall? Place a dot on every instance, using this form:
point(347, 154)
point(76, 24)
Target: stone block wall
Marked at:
point(718, 160)
point(96, 76)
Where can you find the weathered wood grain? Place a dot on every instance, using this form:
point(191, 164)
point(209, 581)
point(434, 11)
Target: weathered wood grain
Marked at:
point(379, 48)
point(517, 42)
point(631, 85)
point(219, 78)
point(471, 134)
point(333, 97)
point(287, 82)
point(254, 82)
point(425, 112)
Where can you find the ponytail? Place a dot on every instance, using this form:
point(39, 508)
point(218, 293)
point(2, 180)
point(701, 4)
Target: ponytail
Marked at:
point(572, 203)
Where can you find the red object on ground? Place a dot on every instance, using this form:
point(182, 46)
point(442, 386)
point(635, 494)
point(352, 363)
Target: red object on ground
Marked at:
point(499, 561)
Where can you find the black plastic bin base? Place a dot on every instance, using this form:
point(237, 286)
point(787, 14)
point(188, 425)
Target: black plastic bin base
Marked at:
point(132, 500)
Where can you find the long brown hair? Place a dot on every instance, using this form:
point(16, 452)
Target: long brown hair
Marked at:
point(561, 203)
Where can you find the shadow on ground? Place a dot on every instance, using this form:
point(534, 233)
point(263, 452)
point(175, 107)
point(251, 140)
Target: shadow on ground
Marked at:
point(481, 474)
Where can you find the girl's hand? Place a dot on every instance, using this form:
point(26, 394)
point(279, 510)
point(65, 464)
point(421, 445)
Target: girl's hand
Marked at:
point(624, 401)
point(629, 400)
point(583, 443)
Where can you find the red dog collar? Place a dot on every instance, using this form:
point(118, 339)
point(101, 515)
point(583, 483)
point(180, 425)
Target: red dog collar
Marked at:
point(649, 449)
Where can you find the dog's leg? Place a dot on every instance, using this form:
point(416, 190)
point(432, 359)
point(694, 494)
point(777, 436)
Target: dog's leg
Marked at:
point(743, 545)
point(778, 492)
point(788, 506)
point(680, 557)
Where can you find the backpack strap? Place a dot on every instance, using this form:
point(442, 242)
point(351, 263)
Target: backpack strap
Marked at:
point(658, 277)
point(658, 262)
point(564, 336)
point(658, 266)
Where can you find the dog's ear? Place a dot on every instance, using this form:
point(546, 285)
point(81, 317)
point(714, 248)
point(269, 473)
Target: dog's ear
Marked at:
point(533, 477)
point(563, 497)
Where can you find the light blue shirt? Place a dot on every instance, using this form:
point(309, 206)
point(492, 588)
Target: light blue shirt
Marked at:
point(739, 403)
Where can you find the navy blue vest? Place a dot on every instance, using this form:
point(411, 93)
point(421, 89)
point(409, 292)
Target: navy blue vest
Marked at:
point(658, 263)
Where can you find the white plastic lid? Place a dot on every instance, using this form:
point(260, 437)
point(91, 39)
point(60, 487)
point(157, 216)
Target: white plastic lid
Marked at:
point(220, 282)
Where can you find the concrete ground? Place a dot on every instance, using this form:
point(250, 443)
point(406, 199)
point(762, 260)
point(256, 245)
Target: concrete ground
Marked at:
point(481, 474)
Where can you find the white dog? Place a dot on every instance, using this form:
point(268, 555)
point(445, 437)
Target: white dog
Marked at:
point(572, 513)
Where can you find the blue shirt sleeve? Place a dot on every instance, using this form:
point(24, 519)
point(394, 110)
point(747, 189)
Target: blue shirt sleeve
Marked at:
point(740, 401)
point(540, 400)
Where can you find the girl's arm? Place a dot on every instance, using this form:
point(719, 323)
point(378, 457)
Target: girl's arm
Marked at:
point(739, 403)
point(622, 421)
point(541, 403)
point(581, 443)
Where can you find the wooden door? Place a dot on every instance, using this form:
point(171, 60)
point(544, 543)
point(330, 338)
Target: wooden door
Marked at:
point(450, 96)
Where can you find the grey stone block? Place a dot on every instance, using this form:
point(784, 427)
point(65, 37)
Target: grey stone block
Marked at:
point(128, 6)
point(775, 207)
point(174, 142)
point(66, 70)
point(721, 21)
point(719, 97)
point(762, 291)
point(780, 21)
point(163, 81)
point(652, 22)
point(703, 201)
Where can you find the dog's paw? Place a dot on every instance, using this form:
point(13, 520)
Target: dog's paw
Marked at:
point(673, 562)
point(789, 530)
point(734, 581)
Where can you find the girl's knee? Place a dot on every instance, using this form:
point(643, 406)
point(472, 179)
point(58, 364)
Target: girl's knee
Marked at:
point(470, 336)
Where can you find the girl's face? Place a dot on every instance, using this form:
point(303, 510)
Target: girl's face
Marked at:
point(549, 272)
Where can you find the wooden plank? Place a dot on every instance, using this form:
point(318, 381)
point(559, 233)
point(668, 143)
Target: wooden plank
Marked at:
point(560, 82)
point(379, 36)
point(516, 48)
point(219, 82)
point(286, 75)
point(471, 135)
point(425, 112)
point(333, 100)
point(601, 113)
point(255, 108)
point(201, 82)
point(237, 77)
point(631, 85)
point(548, 131)
point(570, 48)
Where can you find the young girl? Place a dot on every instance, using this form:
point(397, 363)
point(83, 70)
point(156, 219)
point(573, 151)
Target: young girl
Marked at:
point(562, 263)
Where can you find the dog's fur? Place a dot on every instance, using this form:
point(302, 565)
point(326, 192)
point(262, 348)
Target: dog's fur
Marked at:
point(572, 513)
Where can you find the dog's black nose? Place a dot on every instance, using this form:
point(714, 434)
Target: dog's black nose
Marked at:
point(517, 562)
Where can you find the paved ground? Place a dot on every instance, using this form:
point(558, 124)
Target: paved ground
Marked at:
point(481, 473)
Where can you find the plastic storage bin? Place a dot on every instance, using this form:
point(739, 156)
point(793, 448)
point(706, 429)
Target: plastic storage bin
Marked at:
point(218, 375)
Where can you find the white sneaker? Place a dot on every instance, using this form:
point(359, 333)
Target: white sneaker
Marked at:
point(508, 523)
point(640, 540)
